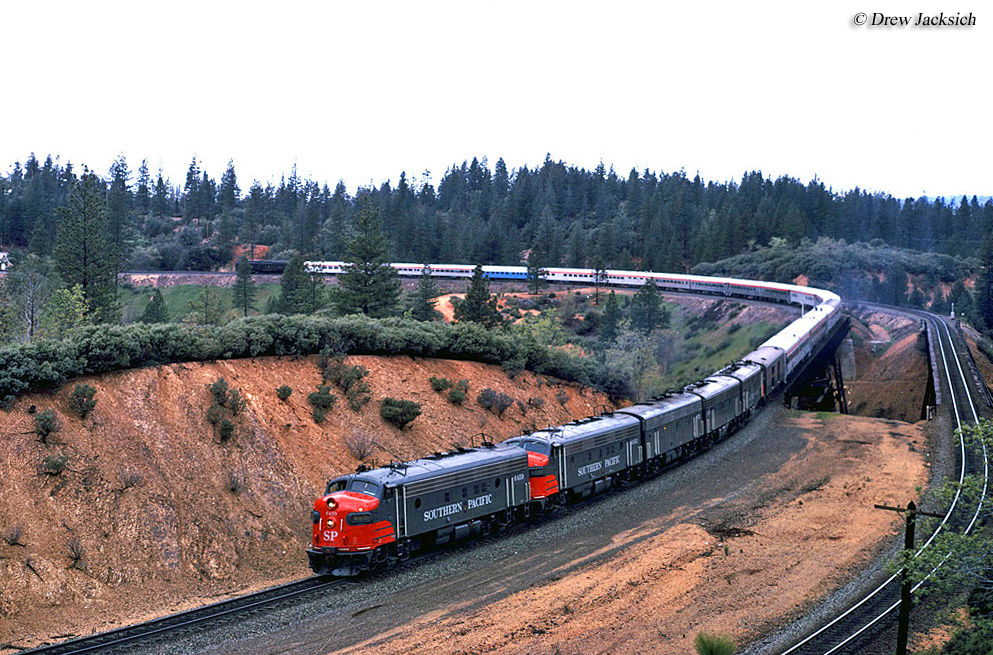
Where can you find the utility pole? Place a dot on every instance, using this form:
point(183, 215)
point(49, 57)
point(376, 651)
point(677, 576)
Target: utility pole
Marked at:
point(903, 624)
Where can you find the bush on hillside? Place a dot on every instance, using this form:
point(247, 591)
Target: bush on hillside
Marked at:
point(399, 412)
point(46, 364)
point(82, 399)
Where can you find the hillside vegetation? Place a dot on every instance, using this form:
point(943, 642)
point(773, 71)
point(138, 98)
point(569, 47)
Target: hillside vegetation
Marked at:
point(861, 271)
point(148, 504)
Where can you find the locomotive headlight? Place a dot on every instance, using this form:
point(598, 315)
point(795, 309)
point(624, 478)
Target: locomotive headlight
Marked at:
point(331, 503)
point(359, 518)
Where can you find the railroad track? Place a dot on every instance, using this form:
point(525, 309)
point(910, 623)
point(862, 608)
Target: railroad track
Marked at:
point(853, 630)
point(167, 626)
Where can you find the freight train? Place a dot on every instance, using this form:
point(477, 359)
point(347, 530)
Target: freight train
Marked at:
point(372, 518)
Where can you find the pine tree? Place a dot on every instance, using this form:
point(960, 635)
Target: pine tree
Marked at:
point(82, 255)
point(207, 308)
point(143, 190)
point(984, 281)
point(537, 260)
point(368, 285)
point(478, 306)
point(255, 209)
point(244, 287)
point(424, 298)
point(599, 278)
point(293, 288)
point(66, 309)
point(647, 310)
point(155, 311)
point(227, 192)
point(610, 322)
point(160, 201)
point(119, 229)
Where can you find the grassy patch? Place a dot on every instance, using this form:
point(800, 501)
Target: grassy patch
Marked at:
point(178, 298)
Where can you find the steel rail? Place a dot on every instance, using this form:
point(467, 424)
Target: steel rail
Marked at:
point(938, 324)
point(179, 620)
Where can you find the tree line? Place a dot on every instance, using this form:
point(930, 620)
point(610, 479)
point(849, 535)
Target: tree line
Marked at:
point(571, 216)
point(84, 228)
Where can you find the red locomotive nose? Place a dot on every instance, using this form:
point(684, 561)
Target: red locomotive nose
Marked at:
point(344, 520)
point(537, 460)
point(542, 483)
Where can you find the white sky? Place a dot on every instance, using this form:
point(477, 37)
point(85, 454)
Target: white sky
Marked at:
point(363, 90)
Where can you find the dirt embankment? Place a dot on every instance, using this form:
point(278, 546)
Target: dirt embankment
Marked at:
point(148, 504)
point(891, 367)
point(739, 565)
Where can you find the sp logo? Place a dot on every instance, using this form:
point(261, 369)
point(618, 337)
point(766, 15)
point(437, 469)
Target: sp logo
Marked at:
point(330, 535)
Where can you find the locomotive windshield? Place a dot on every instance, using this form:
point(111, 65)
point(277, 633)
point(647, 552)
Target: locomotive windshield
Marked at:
point(364, 487)
point(533, 446)
point(336, 485)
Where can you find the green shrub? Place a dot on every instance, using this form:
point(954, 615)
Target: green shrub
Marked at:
point(322, 399)
point(54, 464)
point(358, 395)
point(346, 377)
point(236, 402)
point(399, 412)
point(219, 390)
point(225, 429)
point(214, 414)
point(283, 392)
point(318, 414)
point(82, 399)
point(46, 364)
point(456, 396)
point(707, 644)
point(440, 384)
point(46, 423)
point(495, 401)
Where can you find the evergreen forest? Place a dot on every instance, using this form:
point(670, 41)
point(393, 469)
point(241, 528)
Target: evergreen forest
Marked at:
point(78, 228)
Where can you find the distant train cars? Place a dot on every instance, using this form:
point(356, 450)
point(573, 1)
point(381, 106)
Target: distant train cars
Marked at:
point(372, 518)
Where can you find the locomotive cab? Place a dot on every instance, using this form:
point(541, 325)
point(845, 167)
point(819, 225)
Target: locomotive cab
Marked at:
point(542, 480)
point(349, 527)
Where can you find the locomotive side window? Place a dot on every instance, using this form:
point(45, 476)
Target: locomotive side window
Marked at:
point(496, 483)
point(417, 503)
point(336, 485)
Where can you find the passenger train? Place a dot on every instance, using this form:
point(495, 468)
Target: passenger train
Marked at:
point(372, 518)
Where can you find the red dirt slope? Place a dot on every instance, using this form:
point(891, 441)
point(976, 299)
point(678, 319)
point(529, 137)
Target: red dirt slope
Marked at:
point(157, 507)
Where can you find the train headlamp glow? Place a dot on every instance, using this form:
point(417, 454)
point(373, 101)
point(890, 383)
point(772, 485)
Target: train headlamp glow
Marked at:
point(331, 503)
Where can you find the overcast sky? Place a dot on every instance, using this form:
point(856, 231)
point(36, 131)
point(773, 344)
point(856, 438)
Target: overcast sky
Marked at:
point(361, 91)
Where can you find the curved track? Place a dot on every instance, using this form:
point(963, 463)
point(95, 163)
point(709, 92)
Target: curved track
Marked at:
point(159, 628)
point(855, 628)
point(843, 634)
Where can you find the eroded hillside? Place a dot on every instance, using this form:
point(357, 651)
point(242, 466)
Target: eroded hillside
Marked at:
point(149, 503)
